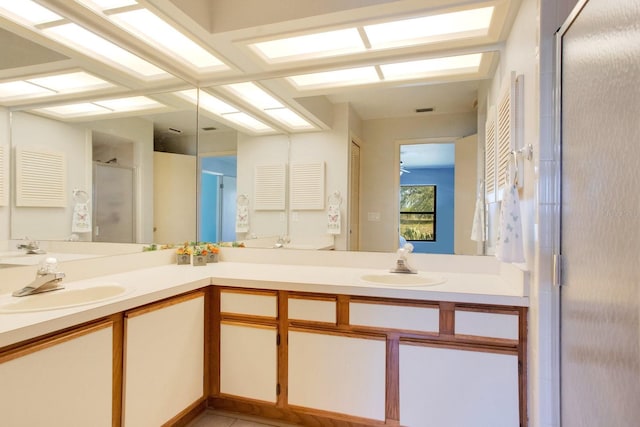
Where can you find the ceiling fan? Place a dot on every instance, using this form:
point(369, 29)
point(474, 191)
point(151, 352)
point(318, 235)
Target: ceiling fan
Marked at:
point(402, 168)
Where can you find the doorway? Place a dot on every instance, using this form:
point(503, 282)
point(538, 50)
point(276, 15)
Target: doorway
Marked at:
point(218, 178)
point(427, 196)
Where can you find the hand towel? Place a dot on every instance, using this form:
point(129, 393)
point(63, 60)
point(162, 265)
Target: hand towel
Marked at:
point(333, 219)
point(478, 230)
point(81, 220)
point(510, 247)
point(242, 218)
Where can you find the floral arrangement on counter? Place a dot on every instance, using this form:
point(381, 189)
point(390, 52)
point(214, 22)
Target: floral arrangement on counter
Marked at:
point(200, 253)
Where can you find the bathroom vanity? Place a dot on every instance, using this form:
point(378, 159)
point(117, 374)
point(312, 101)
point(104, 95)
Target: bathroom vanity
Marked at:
point(307, 344)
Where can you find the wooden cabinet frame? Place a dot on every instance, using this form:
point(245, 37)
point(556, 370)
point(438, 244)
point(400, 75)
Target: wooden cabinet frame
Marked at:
point(445, 337)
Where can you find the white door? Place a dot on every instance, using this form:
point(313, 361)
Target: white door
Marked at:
point(113, 204)
point(174, 197)
point(600, 237)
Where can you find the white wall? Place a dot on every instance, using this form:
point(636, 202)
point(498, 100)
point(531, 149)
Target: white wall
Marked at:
point(378, 192)
point(34, 132)
point(215, 142)
point(75, 140)
point(331, 147)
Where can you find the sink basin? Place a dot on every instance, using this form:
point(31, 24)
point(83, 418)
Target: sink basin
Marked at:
point(399, 279)
point(62, 299)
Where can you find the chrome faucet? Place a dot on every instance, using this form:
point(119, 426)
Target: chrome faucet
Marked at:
point(282, 240)
point(402, 266)
point(47, 279)
point(32, 247)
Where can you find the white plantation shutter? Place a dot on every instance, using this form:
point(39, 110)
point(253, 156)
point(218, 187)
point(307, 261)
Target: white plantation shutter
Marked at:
point(490, 156)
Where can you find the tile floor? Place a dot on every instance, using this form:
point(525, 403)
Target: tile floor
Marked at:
point(211, 418)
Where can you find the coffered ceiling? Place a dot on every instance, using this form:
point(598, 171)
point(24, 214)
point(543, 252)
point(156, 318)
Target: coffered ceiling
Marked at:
point(266, 66)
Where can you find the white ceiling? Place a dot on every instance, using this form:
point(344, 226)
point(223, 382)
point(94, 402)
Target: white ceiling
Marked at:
point(227, 26)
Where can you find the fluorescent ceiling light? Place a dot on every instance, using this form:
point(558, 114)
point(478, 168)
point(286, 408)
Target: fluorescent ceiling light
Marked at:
point(310, 46)
point(350, 76)
point(246, 121)
point(430, 67)
point(254, 95)
point(153, 30)
point(22, 89)
point(107, 4)
point(75, 110)
point(91, 44)
point(132, 103)
point(51, 85)
point(226, 111)
point(105, 106)
point(29, 11)
point(446, 26)
point(289, 118)
point(213, 104)
point(70, 82)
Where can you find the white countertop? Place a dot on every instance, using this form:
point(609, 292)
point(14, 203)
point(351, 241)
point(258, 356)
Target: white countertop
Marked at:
point(152, 284)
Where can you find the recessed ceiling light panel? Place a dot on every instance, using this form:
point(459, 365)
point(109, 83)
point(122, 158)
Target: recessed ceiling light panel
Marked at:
point(132, 103)
point(155, 31)
point(22, 89)
point(311, 46)
point(346, 77)
point(254, 95)
point(71, 82)
point(91, 44)
point(289, 118)
point(28, 11)
point(74, 110)
point(429, 29)
point(432, 67)
point(246, 121)
point(47, 86)
point(101, 107)
point(101, 5)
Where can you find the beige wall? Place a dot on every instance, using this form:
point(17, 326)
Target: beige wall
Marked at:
point(5, 143)
point(466, 194)
point(331, 147)
point(378, 182)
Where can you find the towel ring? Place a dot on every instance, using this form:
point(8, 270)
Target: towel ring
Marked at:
point(335, 198)
point(242, 200)
point(80, 196)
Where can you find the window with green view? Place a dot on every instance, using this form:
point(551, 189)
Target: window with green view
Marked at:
point(418, 212)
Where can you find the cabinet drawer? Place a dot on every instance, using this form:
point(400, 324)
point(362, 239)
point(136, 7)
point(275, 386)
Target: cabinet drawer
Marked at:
point(394, 316)
point(483, 324)
point(313, 309)
point(250, 303)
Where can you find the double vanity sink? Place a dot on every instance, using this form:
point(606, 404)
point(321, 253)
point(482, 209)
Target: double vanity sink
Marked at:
point(67, 298)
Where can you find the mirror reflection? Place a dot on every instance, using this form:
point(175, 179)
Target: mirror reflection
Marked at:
point(99, 178)
point(284, 149)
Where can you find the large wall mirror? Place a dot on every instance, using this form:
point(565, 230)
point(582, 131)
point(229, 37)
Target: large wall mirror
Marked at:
point(325, 128)
point(123, 176)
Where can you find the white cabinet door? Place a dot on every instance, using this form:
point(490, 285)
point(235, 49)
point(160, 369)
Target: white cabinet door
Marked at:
point(63, 382)
point(457, 388)
point(341, 374)
point(249, 361)
point(164, 360)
